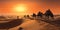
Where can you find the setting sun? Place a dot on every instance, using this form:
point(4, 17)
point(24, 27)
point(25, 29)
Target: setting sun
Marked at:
point(20, 8)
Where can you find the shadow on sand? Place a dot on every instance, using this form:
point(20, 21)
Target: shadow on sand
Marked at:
point(11, 24)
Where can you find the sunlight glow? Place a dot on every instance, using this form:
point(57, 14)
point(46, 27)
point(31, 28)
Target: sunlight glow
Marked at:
point(20, 8)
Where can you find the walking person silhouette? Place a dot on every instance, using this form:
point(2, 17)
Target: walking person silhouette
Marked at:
point(20, 28)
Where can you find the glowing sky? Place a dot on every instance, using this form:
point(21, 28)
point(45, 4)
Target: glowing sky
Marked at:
point(33, 6)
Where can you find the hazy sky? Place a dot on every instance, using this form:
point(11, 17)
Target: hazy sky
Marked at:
point(33, 6)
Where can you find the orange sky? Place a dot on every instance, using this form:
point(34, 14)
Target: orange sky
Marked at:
point(33, 7)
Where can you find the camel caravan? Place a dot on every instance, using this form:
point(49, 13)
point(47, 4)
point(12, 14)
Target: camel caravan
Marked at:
point(48, 14)
point(16, 22)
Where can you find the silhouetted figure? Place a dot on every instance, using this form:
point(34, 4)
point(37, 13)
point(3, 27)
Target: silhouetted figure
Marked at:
point(17, 17)
point(40, 14)
point(48, 14)
point(28, 16)
point(25, 16)
point(34, 15)
point(20, 28)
